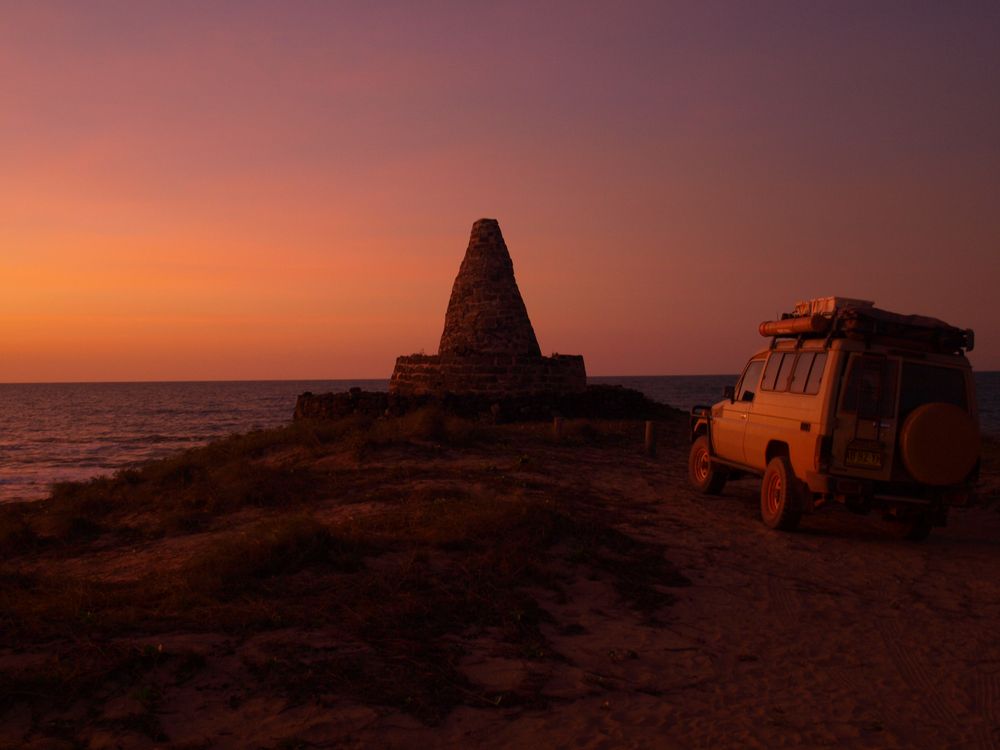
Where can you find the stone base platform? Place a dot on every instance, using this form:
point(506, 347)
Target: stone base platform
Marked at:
point(596, 402)
point(488, 374)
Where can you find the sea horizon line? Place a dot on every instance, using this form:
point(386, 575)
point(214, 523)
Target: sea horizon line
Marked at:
point(323, 380)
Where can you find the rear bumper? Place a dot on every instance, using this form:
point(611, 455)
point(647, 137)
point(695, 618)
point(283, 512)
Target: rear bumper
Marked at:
point(888, 492)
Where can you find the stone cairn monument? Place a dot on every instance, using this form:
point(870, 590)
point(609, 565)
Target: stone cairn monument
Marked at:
point(488, 347)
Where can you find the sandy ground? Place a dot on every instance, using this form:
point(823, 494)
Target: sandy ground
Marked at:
point(839, 635)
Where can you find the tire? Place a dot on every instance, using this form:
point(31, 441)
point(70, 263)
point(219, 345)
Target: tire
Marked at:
point(918, 527)
point(939, 444)
point(780, 496)
point(706, 477)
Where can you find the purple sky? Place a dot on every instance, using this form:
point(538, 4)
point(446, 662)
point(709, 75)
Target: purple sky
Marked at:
point(251, 190)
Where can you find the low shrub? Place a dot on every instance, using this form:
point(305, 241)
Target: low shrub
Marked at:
point(276, 547)
point(16, 535)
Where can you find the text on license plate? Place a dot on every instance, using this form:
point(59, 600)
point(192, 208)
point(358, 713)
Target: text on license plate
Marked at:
point(864, 459)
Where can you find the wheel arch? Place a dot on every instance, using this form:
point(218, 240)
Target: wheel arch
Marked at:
point(774, 449)
point(699, 427)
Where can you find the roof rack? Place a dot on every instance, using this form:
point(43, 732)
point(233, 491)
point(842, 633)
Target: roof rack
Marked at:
point(830, 317)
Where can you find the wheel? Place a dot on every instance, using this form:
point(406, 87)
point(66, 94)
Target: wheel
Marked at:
point(705, 476)
point(918, 527)
point(780, 495)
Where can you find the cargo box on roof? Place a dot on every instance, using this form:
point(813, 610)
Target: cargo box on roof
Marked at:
point(857, 318)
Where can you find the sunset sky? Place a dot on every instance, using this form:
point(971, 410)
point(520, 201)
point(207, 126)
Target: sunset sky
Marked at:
point(244, 190)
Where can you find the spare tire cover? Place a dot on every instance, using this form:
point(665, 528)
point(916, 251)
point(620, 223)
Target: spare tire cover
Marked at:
point(939, 444)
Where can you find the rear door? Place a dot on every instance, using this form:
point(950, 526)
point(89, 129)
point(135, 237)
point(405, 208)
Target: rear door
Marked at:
point(864, 440)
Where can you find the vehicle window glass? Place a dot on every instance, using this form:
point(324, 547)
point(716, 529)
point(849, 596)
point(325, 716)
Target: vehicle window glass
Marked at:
point(871, 387)
point(750, 380)
point(781, 384)
point(890, 375)
point(925, 384)
point(771, 371)
point(800, 372)
point(816, 374)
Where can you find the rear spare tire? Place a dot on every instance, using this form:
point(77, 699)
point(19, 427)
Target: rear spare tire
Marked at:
point(939, 444)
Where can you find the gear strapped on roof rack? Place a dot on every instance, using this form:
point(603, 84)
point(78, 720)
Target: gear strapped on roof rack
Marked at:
point(860, 319)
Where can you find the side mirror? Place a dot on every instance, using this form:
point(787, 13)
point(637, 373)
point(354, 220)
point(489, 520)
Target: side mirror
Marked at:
point(729, 392)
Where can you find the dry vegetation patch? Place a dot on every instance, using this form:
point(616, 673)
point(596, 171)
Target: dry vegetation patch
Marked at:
point(465, 527)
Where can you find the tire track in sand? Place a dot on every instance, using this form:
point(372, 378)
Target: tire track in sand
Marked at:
point(986, 690)
point(781, 598)
point(912, 670)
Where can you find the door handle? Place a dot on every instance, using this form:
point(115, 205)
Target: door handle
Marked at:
point(743, 416)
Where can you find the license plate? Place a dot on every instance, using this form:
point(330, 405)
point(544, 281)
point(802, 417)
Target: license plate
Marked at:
point(864, 459)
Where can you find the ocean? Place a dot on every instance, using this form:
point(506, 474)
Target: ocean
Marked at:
point(51, 432)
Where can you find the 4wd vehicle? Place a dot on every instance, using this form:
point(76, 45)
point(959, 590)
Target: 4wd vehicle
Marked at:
point(850, 403)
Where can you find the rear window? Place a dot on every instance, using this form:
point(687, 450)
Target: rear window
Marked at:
point(925, 384)
point(871, 387)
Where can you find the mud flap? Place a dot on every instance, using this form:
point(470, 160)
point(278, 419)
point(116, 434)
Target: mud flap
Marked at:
point(806, 498)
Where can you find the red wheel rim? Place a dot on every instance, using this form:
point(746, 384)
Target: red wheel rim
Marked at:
point(772, 494)
point(701, 465)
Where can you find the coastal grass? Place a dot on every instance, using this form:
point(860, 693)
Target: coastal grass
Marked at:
point(399, 586)
point(191, 491)
point(464, 551)
point(16, 533)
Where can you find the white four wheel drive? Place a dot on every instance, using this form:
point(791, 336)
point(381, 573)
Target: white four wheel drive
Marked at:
point(848, 403)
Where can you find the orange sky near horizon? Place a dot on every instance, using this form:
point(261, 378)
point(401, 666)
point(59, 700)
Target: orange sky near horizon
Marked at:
point(257, 190)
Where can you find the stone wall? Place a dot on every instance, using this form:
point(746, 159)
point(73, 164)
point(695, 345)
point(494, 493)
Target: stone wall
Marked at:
point(339, 405)
point(488, 374)
point(595, 402)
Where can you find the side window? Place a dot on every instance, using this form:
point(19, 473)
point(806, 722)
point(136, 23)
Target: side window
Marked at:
point(771, 371)
point(781, 384)
point(800, 373)
point(815, 379)
point(750, 380)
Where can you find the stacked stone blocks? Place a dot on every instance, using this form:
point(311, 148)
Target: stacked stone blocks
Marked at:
point(486, 314)
point(488, 346)
point(488, 374)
